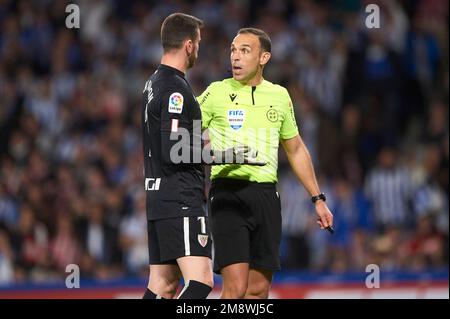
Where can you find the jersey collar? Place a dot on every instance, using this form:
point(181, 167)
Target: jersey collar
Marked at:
point(164, 67)
point(239, 85)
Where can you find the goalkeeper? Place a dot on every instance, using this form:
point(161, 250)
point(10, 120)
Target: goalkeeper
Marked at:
point(245, 207)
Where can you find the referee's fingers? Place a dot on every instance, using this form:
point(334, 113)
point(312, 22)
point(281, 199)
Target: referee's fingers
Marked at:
point(330, 220)
point(324, 221)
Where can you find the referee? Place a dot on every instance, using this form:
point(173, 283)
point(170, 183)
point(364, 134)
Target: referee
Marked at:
point(245, 206)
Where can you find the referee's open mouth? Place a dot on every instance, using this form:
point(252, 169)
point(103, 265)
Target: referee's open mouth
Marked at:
point(236, 69)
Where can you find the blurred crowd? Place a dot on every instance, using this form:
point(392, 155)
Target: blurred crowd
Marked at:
point(371, 105)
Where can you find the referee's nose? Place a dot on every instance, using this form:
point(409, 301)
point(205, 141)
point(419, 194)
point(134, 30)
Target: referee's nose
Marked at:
point(235, 56)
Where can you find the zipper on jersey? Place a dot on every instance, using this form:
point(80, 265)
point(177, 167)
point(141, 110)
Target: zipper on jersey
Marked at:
point(253, 97)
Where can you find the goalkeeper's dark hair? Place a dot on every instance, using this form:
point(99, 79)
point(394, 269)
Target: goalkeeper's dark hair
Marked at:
point(264, 39)
point(177, 28)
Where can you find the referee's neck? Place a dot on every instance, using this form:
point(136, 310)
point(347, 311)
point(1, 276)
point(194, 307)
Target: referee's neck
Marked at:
point(254, 81)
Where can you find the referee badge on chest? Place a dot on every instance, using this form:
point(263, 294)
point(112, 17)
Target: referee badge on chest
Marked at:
point(202, 240)
point(236, 118)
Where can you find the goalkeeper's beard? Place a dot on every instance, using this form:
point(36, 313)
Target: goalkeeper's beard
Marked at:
point(191, 60)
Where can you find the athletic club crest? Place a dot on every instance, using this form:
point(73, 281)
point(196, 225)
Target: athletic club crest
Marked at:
point(236, 118)
point(203, 240)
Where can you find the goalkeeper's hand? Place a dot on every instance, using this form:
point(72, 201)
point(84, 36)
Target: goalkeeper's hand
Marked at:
point(241, 154)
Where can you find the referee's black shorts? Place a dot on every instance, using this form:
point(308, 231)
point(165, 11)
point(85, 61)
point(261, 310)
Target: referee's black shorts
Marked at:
point(245, 223)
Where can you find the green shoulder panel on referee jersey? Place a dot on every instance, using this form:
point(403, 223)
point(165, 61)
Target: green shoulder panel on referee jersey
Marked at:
point(256, 116)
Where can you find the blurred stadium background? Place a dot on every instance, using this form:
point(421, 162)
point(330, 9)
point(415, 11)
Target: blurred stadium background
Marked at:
point(371, 104)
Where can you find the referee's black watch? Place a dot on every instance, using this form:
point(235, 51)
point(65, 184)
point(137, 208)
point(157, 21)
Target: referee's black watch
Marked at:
point(318, 197)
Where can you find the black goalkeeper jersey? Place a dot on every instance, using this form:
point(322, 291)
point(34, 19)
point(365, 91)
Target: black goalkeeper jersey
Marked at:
point(173, 182)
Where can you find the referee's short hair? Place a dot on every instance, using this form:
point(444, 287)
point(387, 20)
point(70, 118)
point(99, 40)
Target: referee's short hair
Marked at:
point(264, 39)
point(178, 27)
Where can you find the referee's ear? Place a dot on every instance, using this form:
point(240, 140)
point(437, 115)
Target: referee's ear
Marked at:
point(264, 58)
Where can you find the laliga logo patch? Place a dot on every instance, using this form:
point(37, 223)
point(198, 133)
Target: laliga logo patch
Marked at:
point(176, 103)
point(203, 240)
point(236, 118)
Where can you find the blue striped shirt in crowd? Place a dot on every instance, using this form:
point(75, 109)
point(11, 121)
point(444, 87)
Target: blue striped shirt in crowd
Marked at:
point(389, 191)
point(296, 206)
